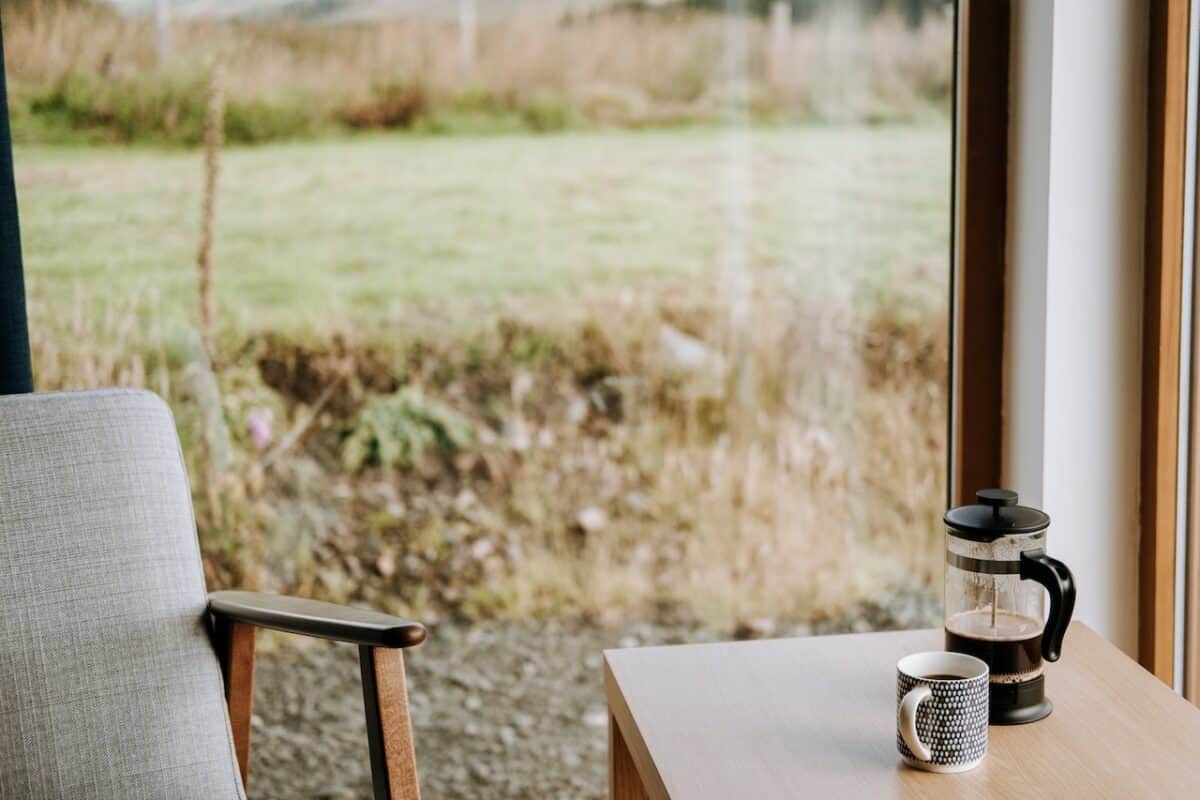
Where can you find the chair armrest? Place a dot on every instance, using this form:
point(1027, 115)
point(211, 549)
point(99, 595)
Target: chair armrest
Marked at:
point(315, 618)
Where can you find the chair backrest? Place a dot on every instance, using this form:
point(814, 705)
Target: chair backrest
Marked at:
point(109, 684)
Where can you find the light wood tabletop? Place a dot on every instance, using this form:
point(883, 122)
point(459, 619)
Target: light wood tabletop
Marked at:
point(816, 717)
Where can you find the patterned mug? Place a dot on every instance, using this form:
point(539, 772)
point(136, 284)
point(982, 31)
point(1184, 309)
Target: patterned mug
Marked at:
point(942, 711)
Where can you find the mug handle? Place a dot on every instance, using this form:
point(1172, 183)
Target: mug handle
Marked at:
point(908, 720)
point(1060, 583)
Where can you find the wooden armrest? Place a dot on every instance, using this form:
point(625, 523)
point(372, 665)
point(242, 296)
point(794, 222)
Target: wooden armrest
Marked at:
point(236, 616)
point(315, 618)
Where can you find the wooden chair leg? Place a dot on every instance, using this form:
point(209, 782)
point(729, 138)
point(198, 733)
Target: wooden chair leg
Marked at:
point(389, 726)
point(235, 647)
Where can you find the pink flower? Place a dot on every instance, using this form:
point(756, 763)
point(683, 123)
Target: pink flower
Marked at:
point(259, 426)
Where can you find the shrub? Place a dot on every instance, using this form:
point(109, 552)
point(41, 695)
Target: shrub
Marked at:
point(96, 71)
point(127, 109)
point(257, 121)
point(481, 100)
point(170, 109)
point(398, 429)
point(545, 113)
point(392, 105)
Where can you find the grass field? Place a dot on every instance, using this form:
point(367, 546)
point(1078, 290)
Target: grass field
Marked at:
point(325, 234)
point(614, 374)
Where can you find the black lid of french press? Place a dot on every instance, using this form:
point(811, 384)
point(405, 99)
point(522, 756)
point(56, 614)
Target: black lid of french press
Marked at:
point(996, 514)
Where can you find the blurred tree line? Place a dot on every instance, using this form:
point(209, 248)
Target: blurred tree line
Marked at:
point(913, 11)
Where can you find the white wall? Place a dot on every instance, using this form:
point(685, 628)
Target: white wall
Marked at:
point(1028, 226)
point(1072, 371)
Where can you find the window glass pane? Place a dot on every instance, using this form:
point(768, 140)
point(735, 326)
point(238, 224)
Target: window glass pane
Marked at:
point(555, 325)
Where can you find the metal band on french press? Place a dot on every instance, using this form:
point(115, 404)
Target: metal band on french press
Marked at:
point(985, 566)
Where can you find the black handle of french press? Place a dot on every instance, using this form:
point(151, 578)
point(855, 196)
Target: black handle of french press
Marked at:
point(1060, 583)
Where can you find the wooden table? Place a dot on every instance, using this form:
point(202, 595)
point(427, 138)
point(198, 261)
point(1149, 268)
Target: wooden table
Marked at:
point(794, 718)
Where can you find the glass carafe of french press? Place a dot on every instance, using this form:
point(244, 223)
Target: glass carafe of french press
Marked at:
point(996, 569)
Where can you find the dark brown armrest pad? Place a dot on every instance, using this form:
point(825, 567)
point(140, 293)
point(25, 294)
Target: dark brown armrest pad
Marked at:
point(314, 618)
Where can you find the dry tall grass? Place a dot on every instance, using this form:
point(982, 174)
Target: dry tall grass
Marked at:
point(613, 67)
point(73, 349)
point(823, 492)
point(826, 490)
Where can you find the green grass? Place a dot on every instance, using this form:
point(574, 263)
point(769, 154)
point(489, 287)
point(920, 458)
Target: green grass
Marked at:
point(366, 229)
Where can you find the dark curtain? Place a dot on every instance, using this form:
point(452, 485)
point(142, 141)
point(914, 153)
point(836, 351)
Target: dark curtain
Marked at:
point(16, 374)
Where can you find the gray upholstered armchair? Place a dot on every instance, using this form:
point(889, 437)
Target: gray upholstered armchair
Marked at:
point(120, 676)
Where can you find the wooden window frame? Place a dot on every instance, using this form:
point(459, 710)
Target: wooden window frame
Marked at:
point(981, 161)
point(1162, 332)
point(1189, 681)
point(979, 242)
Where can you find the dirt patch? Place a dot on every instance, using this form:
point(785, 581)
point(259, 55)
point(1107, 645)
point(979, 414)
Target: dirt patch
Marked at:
point(304, 373)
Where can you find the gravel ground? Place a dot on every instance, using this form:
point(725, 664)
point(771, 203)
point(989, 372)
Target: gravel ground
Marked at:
point(512, 710)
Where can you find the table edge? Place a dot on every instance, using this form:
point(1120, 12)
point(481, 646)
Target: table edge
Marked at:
point(620, 715)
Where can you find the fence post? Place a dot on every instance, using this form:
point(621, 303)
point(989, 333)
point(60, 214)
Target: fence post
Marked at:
point(781, 40)
point(214, 138)
point(162, 30)
point(468, 35)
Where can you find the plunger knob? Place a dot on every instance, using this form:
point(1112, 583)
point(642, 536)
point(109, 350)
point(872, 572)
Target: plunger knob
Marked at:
point(996, 498)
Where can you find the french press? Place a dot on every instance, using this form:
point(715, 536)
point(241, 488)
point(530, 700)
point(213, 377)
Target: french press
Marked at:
point(996, 568)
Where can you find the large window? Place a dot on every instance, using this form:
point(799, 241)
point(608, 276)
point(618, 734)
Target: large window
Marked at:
point(555, 325)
